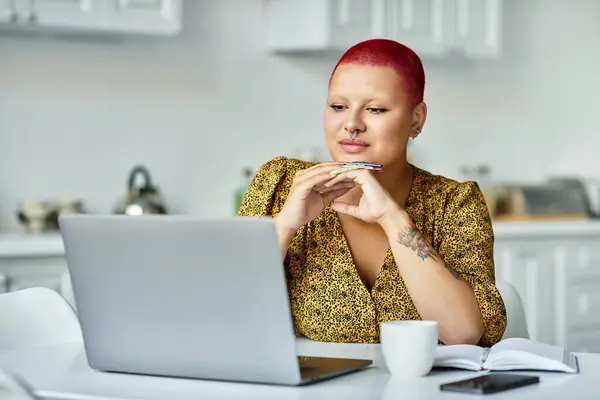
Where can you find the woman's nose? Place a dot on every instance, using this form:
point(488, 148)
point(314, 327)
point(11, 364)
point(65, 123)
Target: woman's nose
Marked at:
point(354, 126)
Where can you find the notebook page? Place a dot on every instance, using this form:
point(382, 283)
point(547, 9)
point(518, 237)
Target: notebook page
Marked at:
point(459, 356)
point(517, 353)
point(529, 346)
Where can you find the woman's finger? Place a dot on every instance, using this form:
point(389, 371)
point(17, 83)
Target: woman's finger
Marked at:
point(360, 176)
point(341, 185)
point(317, 167)
point(334, 194)
point(327, 184)
point(337, 179)
point(309, 182)
point(347, 209)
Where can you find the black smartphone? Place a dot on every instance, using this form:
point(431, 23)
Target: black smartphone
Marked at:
point(490, 383)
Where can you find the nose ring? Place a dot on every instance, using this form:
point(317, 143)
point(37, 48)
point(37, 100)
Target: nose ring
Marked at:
point(353, 134)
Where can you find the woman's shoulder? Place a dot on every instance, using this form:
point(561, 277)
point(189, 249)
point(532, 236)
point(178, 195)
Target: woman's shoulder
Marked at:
point(281, 166)
point(430, 187)
point(270, 186)
point(280, 172)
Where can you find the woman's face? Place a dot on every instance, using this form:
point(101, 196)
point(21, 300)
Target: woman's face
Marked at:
point(372, 102)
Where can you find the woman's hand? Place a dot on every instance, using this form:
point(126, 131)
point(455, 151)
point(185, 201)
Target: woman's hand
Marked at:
point(309, 195)
point(375, 203)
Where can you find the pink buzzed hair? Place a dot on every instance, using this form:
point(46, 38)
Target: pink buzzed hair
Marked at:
point(389, 53)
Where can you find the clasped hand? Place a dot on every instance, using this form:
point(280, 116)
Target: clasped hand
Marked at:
point(316, 187)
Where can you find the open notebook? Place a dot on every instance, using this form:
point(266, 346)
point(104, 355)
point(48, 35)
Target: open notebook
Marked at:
point(509, 354)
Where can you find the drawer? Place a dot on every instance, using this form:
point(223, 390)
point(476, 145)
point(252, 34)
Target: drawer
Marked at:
point(50, 282)
point(583, 303)
point(584, 342)
point(582, 261)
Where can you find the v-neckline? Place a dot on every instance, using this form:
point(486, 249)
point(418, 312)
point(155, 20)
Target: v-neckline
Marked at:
point(345, 246)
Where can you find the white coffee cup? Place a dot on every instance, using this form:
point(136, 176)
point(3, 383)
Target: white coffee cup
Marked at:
point(409, 347)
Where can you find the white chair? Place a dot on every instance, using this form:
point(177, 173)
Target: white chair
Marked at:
point(13, 387)
point(36, 317)
point(516, 323)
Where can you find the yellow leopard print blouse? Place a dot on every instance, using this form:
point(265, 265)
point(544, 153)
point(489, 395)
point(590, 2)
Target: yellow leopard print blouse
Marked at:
point(329, 301)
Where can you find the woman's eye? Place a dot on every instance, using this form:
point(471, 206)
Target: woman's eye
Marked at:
point(337, 107)
point(377, 110)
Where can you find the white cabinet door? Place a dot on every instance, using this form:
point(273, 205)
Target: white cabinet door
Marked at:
point(579, 318)
point(316, 25)
point(558, 280)
point(147, 16)
point(7, 11)
point(430, 27)
point(530, 266)
point(109, 16)
point(426, 26)
point(478, 27)
point(70, 14)
point(352, 21)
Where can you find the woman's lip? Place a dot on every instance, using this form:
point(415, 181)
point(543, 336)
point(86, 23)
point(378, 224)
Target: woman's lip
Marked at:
point(353, 142)
point(353, 148)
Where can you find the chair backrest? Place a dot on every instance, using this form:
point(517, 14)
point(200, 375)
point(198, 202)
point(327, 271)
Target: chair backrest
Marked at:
point(13, 387)
point(516, 324)
point(36, 317)
point(66, 289)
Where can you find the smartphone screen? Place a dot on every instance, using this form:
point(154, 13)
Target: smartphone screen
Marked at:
point(490, 383)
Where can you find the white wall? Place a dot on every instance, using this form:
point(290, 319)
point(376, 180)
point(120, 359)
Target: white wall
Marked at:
point(76, 115)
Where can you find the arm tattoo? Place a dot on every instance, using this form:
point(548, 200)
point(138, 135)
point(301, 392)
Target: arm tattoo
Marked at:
point(414, 240)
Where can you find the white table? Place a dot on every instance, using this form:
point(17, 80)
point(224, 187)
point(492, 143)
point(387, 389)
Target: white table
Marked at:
point(61, 372)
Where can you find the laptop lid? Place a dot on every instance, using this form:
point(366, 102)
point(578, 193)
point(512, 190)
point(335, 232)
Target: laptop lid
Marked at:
point(182, 296)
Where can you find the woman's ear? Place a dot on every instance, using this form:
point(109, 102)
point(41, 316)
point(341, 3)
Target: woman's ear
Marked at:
point(419, 117)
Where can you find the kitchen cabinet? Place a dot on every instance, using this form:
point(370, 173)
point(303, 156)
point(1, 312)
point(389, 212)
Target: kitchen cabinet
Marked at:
point(28, 260)
point(426, 26)
point(158, 17)
point(430, 27)
point(478, 31)
point(557, 274)
point(308, 25)
point(7, 12)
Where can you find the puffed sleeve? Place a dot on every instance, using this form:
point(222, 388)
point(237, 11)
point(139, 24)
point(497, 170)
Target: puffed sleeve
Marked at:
point(467, 246)
point(267, 191)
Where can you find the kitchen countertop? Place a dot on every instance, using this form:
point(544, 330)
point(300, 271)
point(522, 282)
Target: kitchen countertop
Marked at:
point(50, 244)
point(31, 245)
point(546, 229)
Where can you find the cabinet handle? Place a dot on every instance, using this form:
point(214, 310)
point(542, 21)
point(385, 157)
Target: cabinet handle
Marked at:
point(408, 15)
point(11, 15)
point(343, 12)
point(437, 21)
point(525, 254)
point(463, 17)
point(85, 5)
point(492, 14)
point(30, 15)
point(10, 12)
point(378, 18)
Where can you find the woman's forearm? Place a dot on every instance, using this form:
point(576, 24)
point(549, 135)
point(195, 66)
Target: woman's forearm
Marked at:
point(284, 237)
point(437, 290)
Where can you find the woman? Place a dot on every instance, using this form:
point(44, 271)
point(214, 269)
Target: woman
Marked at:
point(362, 247)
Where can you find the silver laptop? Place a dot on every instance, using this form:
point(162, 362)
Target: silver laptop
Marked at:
point(187, 297)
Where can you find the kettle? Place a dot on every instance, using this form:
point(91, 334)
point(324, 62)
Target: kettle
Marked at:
point(145, 199)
